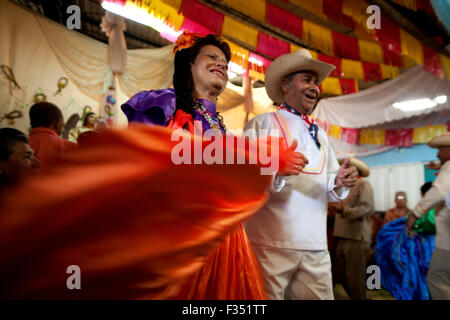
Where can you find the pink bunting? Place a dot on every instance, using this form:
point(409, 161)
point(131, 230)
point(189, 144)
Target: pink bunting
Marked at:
point(202, 15)
point(284, 20)
point(350, 135)
point(272, 47)
point(399, 138)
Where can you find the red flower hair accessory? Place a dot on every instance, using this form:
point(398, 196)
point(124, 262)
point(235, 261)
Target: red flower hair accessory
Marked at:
point(186, 40)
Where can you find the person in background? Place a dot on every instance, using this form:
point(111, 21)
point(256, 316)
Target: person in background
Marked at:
point(47, 122)
point(352, 234)
point(89, 124)
point(438, 276)
point(400, 209)
point(17, 158)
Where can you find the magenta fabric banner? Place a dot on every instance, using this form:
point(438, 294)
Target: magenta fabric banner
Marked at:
point(202, 15)
point(283, 19)
point(348, 86)
point(431, 61)
point(345, 46)
point(333, 9)
point(399, 138)
point(372, 71)
point(350, 135)
point(272, 47)
point(191, 26)
point(334, 61)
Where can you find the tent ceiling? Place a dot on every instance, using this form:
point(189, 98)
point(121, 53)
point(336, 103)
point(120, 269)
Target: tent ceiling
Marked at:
point(421, 25)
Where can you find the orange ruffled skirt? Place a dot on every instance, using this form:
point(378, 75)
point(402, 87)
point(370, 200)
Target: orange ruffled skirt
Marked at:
point(137, 226)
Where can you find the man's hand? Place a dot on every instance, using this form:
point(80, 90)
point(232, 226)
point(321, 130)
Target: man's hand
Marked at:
point(295, 161)
point(346, 175)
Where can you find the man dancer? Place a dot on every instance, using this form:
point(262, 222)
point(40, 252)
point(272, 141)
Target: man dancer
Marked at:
point(438, 275)
point(289, 233)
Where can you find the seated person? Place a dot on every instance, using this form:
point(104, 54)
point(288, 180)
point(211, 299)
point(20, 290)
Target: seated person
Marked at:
point(400, 209)
point(17, 159)
point(47, 122)
point(89, 123)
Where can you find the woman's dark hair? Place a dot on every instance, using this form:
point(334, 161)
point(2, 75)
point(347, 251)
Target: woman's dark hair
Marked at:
point(86, 117)
point(8, 138)
point(425, 187)
point(182, 77)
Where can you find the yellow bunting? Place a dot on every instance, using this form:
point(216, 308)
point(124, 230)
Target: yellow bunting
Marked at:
point(314, 6)
point(331, 86)
point(253, 8)
point(173, 3)
point(425, 134)
point(370, 136)
point(352, 69)
point(388, 72)
point(318, 36)
point(411, 47)
point(160, 10)
point(445, 65)
point(334, 131)
point(295, 48)
point(239, 55)
point(256, 75)
point(357, 9)
point(370, 51)
point(410, 4)
point(240, 31)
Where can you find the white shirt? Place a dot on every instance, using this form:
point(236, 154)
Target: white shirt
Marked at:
point(295, 216)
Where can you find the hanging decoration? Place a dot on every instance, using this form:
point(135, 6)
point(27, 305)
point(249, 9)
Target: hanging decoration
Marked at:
point(62, 83)
point(39, 97)
point(11, 116)
point(9, 74)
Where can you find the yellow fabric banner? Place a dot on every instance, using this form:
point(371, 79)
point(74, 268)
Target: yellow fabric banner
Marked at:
point(352, 69)
point(314, 6)
point(445, 65)
point(256, 75)
point(240, 31)
point(371, 136)
point(410, 4)
point(318, 36)
point(332, 86)
point(388, 71)
point(173, 3)
point(161, 10)
point(411, 47)
point(357, 9)
point(334, 131)
point(425, 134)
point(239, 55)
point(370, 51)
point(295, 48)
point(253, 8)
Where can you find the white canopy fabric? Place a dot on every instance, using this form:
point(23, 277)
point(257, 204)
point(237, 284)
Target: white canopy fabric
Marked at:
point(373, 106)
point(40, 51)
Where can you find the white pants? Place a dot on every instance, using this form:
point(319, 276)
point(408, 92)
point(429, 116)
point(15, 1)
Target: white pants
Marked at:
point(295, 274)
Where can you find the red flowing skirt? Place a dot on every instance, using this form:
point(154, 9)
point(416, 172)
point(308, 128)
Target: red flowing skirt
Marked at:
point(136, 225)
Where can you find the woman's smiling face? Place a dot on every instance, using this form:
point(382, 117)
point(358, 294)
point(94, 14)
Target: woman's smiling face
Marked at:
point(209, 70)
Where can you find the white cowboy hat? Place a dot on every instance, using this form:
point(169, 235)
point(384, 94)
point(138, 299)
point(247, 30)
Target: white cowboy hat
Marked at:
point(440, 141)
point(363, 168)
point(300, 60)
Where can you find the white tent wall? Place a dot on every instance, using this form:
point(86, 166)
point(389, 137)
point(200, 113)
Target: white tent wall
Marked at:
point(386, 180)
point(24, 48)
